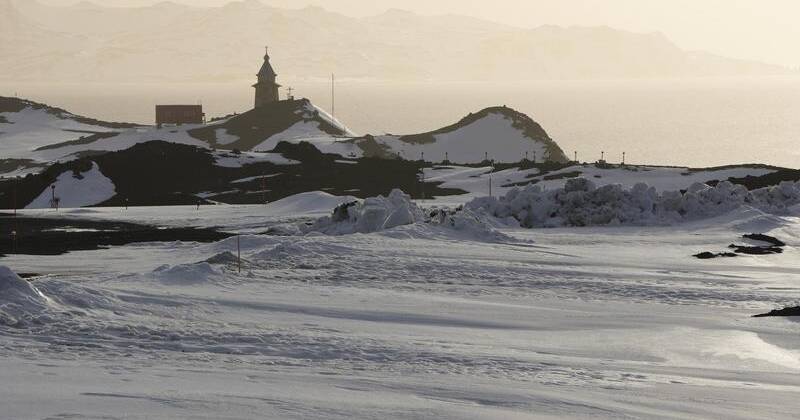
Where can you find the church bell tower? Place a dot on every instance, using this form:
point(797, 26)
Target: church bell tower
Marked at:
point(266, 88)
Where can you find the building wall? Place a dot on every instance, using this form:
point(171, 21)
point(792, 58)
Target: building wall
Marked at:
point(266, 93)
point(179, 114)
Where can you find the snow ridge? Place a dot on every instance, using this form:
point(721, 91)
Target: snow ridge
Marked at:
point(581, 203)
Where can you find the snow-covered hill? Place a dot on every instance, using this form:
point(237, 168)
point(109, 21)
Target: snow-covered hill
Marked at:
point(33, 134)
point(500, 134)
point(261, 129)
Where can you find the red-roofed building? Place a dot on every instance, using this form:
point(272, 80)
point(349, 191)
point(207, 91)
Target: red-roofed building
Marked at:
point(179, 114)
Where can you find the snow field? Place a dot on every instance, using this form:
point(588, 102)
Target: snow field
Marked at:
point(602, 322)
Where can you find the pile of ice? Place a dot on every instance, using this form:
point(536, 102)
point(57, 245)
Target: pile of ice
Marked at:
point(187, 274)
point(381, 213)
point(20, 302)
point(581, 203)
point(371, 215)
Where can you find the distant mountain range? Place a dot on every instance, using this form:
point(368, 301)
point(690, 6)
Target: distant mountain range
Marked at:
point(170, 42)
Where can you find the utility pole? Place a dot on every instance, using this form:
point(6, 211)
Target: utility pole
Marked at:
point(602, 155)
point(14, 196)
point(491, 171)
point(289, 91)
point(576, 156)
point(623, 158)
point(422, 184)
point(264, 187)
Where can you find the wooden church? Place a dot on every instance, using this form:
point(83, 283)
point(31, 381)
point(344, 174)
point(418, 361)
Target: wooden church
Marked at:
point(266, 88)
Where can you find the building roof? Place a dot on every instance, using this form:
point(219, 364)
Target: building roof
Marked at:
point(266, 68)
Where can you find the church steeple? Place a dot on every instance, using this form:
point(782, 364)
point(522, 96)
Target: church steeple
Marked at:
point(266, 68)
point(266, 88)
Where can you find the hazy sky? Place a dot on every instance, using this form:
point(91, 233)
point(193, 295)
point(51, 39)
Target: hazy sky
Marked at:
point(765, 30)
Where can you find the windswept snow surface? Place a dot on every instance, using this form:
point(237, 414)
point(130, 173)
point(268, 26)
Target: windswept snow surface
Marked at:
point(594, 322)
point(85, 189)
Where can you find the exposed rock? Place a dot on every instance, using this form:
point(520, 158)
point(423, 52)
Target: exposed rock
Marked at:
point(789, 311)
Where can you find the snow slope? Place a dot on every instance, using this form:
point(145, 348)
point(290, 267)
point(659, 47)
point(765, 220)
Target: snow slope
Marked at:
point(44, 134)
point(501, 134)
point(31, 128)
point(81, 190)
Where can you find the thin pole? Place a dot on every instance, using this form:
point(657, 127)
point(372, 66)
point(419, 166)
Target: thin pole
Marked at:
point(239, 252)
point(16, 181)
point(264, 187)
point(333, 95)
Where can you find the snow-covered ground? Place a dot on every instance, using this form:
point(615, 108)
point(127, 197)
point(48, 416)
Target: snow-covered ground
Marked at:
point(416, 321)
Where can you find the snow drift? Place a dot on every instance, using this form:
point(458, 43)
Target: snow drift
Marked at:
point(372, 215)
point(581, 203)
point(19, 300)
point(381, 213)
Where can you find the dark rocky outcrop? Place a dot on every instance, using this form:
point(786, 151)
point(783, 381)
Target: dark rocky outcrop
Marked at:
point(162, 173)
point(709, 255)
point(775, 247)
point(789, 311)
point(52, 236)
point(257, 125)
point(764, 238)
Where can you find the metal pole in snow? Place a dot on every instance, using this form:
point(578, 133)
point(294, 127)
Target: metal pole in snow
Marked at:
point(239, 252)
point(14, 196)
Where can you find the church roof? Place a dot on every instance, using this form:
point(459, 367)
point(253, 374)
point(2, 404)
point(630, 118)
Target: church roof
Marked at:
point(266, 68)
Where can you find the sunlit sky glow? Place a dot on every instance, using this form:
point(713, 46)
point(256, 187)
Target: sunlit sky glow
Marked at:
point(764, 30)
